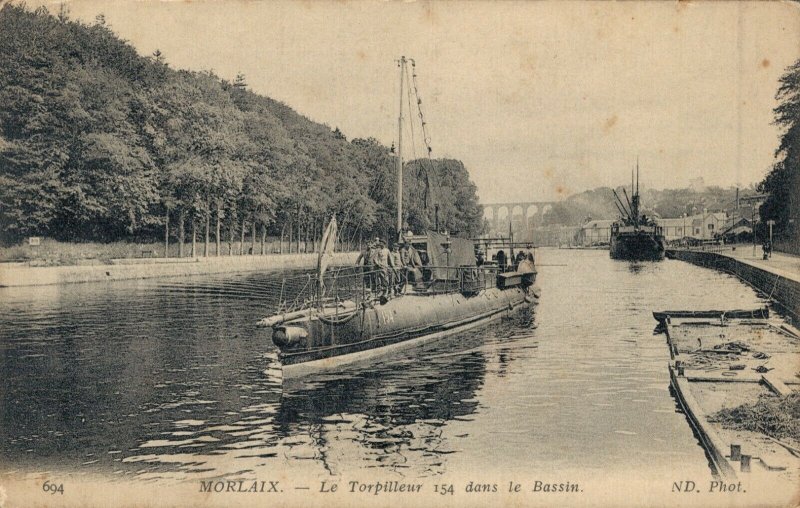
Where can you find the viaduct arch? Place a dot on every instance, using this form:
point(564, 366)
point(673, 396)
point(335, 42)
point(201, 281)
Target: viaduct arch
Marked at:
point(520, 215)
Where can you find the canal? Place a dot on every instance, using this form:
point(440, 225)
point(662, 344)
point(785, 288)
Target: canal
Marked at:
point(171, 379)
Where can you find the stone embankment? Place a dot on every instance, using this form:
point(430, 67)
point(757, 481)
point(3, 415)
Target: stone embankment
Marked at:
point(777, 277)
point(20, 274)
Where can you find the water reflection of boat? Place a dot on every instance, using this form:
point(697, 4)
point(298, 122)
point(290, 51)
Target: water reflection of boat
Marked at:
point(394, 415)
point(439, 388)
point(348, 315)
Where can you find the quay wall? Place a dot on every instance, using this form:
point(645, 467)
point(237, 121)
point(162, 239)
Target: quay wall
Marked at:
point(19, 274)
point(784, 291)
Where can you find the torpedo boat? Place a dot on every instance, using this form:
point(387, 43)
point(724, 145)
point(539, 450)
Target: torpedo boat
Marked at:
point(350, 314)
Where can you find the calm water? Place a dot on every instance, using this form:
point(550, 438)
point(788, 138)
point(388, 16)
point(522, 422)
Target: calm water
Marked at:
point(171, 378)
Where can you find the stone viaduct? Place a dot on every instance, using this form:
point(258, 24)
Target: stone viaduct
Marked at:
point(521, 215)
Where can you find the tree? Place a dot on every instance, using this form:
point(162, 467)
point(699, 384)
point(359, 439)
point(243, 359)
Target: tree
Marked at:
point(444, 183)
point(100, 143)
point(158, 56)
point(783, 182)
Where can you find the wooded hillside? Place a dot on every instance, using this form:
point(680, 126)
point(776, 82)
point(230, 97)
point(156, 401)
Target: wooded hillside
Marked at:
point(100, 143)
point(667, 203)
point(782, 184)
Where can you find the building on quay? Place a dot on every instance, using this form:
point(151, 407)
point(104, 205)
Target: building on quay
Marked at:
point(706, 226)
point(702, 226)
point(594, 232)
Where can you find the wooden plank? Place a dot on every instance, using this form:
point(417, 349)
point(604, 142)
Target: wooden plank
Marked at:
point(723, 376)
point(791, 330)
point(729, 314)
point(776, 385)
point(710, 440)
point(702, 376)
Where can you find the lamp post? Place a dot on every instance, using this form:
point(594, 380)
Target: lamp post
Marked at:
point(704, 227)
point(770, 223)
point(683, 231)
point(753, 227)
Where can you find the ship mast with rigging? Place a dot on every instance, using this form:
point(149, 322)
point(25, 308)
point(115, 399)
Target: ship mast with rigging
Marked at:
point(402, 64)
point(408, 87)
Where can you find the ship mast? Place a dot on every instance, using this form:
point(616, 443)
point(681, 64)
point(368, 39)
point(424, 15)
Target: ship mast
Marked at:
point(635, 196)
point(402, 64)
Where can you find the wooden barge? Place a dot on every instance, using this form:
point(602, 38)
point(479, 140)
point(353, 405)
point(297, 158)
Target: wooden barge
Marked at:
point(725, 359)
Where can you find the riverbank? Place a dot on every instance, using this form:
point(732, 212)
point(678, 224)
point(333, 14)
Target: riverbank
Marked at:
point(777, 277)
point(21, 274)
point(50, 252)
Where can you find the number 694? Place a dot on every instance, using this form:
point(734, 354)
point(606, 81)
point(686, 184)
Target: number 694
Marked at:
point(52, 488)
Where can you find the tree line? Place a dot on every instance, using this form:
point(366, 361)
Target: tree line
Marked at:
point(782, 183)
point(99, 143)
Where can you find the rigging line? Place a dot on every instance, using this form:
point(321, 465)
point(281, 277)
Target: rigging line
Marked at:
point(430, 172)
point(426, 138)
point(411, 124)
point(774, 286)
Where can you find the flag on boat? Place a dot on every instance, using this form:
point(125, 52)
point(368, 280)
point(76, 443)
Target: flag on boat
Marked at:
point(326, 247)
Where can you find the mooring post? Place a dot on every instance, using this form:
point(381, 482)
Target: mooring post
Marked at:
point(745, 463)
point(736, 452)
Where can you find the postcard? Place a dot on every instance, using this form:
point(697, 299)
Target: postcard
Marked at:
point(426, 253)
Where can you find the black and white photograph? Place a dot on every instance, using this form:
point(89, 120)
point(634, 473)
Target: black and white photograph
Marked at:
point(389, 253)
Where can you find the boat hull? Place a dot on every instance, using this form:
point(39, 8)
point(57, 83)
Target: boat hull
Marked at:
point(403, 322)
point(639, 246)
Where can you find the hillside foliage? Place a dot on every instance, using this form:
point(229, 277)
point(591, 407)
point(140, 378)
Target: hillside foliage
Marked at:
point(783, 181)
point(98, 143)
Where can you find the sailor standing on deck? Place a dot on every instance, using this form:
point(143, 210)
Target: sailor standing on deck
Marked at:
point(365, 261)
point(517, 260)
point(381, 263)
point(396, 271)
point(501, 261)
point(529, 253)
point(411, 262)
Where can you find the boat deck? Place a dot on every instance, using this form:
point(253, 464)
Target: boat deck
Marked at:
point(723, 364)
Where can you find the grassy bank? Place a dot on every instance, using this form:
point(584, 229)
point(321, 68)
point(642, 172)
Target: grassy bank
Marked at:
point(54, 253)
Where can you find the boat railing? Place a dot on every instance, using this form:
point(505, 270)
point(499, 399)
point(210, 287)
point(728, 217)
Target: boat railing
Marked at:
point(359, 285)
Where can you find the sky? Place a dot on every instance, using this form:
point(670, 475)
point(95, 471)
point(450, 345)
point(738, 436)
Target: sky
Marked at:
point(538, 99)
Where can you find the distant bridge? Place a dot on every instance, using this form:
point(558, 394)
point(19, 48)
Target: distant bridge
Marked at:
point(522, 216)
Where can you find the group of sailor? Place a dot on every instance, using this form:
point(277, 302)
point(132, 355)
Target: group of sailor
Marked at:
point(386, 272)
point(524, 261)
